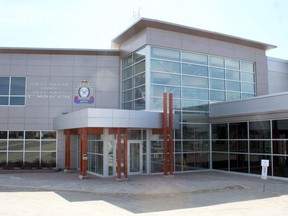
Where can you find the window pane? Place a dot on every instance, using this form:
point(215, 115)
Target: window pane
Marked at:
point(233, 86)
point(17, 100)
point(3, 100)
point(194, 58)
point(165, 54)
point(127, 84)
point(196, 131)
point(18, 85)
point(233, 96)
point(3, 134)
point(164, 78)
point(140, 79)
point(217, 72)
point(32, 135)
point(238, 130)
point(15, 159)
point(16, 134)
point(156, 147)
point(158, 90)
point(32, 159)
point(191, 93)
point(220, 146)
point(248, 87)
point(3, 145)
point(48, 159)
point(239, 163)
point(280, 166)
point(3, 158)
point(259, 130)
point(219, 131)
point(49, 135)
point(15, 145)
point(232, 64)
point(32, 146)
point(139, 92)
point(127, 61)
point(48, 146)
point(260, 146)
point(220, 161)
point(233, 75)
point(195, 82)
point(217, 95)
point(217, 84)
point(127, 73)
point(280, 129)
point(194, 70)
point(127, 96)
point(139, 67)
point(4, 85)
point(195, 105)
point(216, 61)
point(165, 66)
point(238, 146)
point(247, 66)
point(248, 77)
point(139, 55)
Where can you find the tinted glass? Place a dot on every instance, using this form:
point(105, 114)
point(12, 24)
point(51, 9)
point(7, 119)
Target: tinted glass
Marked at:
point(165, 54)
point(18, 85)
point(259, 130)
point(238, 130)
point(4, 85)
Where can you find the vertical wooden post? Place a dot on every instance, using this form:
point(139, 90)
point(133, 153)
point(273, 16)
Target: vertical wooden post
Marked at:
point(67, 149)
point(165, 149)
point(126, 154)
point(171, 135)
point(118, 153)
point(83, 132)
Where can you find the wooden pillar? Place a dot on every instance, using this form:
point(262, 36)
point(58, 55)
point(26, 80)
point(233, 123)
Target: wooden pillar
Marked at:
point(171, 135)
point(126, 153)
point(118, 153)
point(165, 147)
point(67, 149)
point(83, 156)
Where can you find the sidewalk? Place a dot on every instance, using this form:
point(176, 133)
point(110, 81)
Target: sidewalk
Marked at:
point(201, 193)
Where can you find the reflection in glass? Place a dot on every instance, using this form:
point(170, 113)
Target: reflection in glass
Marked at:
point(220, 161)
point(259, 130)
point(165, 66)
point(196, 70)
point(194, 58)
point(239, 162)
point(165, 54)
point(15, 145)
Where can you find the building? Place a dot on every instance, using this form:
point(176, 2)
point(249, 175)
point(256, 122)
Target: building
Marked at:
point(73, 108)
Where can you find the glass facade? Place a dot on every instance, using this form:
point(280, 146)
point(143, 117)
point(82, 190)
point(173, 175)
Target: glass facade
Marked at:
point(28, 149)
point(196, 80)
point(240, 146)
point(133, 81)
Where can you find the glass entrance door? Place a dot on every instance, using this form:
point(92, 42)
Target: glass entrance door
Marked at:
point(134, 157)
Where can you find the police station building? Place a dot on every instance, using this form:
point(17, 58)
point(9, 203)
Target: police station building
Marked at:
point(165, 98)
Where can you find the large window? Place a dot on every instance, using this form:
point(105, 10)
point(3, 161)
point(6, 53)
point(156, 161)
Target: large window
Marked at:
point(27, 149)
point(12, 91)
point(133, 81)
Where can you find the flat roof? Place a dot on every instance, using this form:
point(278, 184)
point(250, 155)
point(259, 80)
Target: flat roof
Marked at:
point(30, 50)
point(145, 22)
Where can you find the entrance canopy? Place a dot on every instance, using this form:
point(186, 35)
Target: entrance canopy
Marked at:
point(108, 118)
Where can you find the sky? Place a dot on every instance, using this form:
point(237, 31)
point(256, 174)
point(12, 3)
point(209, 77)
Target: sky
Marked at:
point(92, 24)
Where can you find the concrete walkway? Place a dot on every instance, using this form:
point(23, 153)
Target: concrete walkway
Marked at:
point(198, 193)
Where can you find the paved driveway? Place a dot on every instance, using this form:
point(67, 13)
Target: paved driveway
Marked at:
point(198, 193)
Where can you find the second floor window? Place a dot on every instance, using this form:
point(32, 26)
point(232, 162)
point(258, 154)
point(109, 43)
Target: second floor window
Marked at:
point(12, 91)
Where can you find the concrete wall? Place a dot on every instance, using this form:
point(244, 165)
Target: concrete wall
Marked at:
point(277, 75)
point(52, 81)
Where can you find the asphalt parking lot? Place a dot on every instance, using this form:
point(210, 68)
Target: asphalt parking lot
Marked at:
point(197, 193)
